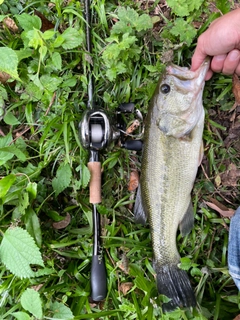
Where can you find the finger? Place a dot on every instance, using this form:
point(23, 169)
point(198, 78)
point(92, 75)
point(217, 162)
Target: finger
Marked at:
point(209, 75)
point(197, 59)
point(199, 54)
point(231, 62)
point(217, 62)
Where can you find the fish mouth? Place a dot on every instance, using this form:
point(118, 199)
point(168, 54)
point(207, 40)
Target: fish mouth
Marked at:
point(186, 80)
point(183, 73)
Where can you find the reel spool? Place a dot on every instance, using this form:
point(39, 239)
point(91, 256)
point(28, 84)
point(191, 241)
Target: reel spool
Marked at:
point(95, 130)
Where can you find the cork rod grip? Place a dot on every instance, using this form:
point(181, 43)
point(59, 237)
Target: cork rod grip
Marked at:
point(95, 182)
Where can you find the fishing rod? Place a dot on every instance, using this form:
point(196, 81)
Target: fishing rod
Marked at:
point(96, 133)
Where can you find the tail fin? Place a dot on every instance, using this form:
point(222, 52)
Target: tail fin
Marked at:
point(175, 284)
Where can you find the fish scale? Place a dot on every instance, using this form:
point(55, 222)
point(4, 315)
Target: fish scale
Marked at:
point(171, 156)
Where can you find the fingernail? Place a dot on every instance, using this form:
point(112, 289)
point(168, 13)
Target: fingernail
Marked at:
point(234, 55)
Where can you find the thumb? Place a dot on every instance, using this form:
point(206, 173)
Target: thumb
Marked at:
point(197, 59)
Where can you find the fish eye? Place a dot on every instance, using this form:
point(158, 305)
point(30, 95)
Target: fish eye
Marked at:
point(165, 88)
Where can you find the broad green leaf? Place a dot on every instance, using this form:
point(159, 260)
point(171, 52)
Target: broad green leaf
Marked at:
point(196, 272)
point(12, 150)
point(33, 92)
point(32, 189)
point(3, 92)
point(57, 60)
point(42, 51)
point(185, 264)
point(5, 156)
point(129, 20)
point(23, 203)
point(9, 62)
point(85, 176)
point(31, 301)
point(10, 119)
point(24, 53)
point(50, 83)
point(144, 22)
point(48, 34)
point(184, 30)
point(119, 68)
point(35, 38)
point(33, 225)
point(18, 251)
point(6, 183)
point(183, 8)
point(128, 15)
point(58, 41)
point(151, 68)
point(121, 28)
point(44, 272)
point(21, 315)
point(233, 299)
point(69, 82)
point(72, 38)
point(60, 311)
point(35, 79)
point(28, 22)
point(62, 179)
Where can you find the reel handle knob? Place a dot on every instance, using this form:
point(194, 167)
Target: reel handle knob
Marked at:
point(135, 145)
point(126, 107)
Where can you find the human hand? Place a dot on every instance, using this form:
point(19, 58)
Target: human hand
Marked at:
point(221, 41)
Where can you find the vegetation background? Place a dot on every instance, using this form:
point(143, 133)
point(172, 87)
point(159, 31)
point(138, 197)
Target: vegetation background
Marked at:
point(45, 216)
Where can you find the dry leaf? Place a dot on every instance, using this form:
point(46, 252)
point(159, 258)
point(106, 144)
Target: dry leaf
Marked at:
point(125, 287)
point(10, 24)
point(123, 264)
point(46, 24)
point(133, 127)
point(236, 90)
point(220, 208)
point(4, 77)
point(134, 181)
point(237, 317)
point(218, 180)
point(62, 224)
point(104, 222)
point(231, 176)
point(37, 287)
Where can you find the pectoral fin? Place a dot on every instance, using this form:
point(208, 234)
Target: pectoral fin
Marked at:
point(187, 222)
point(139, 214)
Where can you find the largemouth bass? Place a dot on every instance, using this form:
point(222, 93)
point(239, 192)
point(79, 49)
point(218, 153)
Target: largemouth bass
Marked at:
point(171, 155)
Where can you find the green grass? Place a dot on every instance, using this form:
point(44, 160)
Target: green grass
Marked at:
point(41, 129)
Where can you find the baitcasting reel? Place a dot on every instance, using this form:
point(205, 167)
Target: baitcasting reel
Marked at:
point(96, 131)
